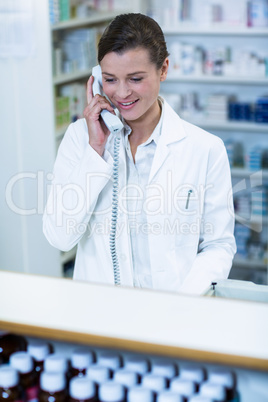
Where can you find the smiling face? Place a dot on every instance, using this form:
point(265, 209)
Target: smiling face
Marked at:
point(132, 82)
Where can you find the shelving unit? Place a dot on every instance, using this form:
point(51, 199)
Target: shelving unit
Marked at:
point(177, 83)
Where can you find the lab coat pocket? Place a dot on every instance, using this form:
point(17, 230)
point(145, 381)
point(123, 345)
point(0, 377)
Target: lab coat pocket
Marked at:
point(188, 205)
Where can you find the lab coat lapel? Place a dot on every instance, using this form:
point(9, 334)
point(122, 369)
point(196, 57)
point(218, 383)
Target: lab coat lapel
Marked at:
point(172, 131)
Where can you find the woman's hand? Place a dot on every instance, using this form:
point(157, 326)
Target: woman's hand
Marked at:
point(97, 130)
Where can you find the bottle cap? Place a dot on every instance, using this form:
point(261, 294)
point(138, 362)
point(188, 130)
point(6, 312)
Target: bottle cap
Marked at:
point(199, 398)
point(109, 359)
point(137, 364)
point(9, 377)
point(183, 387)
point(126, 377)
point(52, 381)
point(193, 373)
point(214, 391)
point(168, 396)
point(98, 373)
point(164, 367)
point(222, 377)
point(154, 382)
point(38, 350)
point(82, 388)
point(81, 358)
point(110, 391)
point(22, 362)
point(140, 394)
point(56, 362)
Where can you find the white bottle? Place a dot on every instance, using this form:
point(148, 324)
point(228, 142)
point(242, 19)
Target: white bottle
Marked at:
point(126, 377)
point(183, 387)
point(214, 391)
point(193, 373)
point(136, 363)
point(140, 394)
point(98, 374)
point(169, 396)
point(109, 359)
point(110, 391)
point(82, 389)
point(226, 378)
point(154, 382)
point(164, 368)
point(52, 386)
point(81, 359)
point(56, 362)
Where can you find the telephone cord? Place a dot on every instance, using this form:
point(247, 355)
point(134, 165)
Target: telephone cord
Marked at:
point(115, 212)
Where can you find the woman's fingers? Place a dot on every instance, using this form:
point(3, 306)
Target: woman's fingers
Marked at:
point(89, 89)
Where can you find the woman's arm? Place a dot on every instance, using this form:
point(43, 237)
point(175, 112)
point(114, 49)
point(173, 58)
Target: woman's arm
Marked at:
point(216, 246)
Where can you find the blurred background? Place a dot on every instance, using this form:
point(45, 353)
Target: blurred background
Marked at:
point(218, 79)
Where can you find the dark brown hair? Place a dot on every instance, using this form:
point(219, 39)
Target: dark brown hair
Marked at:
point(129, 31)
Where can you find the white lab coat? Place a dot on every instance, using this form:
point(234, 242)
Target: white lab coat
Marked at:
point(190, 245)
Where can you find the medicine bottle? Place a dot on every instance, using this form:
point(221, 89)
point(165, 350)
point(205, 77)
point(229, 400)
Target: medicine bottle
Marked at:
point(186, 388)
point(52, 387)
point(226, 378)
point(82, 389)
point(193, 372)
point(136, 363)
point(39, 350)
point(168, 396)
point(10, 343)
point(164, 368)
point(57, 363)
point(110, 391)
point(109, 359)
point(10, 391)
point(154, 382)
point(98, 374)
point(81, 359)
point(23, 363)
point(140, 394)
point(214, 391)
point(126, 377)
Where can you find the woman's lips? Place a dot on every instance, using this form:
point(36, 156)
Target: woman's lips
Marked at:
point(127, 105)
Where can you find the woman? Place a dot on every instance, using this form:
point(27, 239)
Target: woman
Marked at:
point(175, 215)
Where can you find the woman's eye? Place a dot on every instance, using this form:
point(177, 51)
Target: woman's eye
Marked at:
point(136, 79)
point(108, 80)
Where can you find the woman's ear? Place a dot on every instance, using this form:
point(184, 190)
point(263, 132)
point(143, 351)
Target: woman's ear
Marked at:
point(164, 70)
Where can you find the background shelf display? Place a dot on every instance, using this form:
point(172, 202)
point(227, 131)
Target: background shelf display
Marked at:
point(221, 36)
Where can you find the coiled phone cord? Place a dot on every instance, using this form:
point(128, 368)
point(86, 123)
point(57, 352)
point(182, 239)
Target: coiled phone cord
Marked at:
point(115, 212)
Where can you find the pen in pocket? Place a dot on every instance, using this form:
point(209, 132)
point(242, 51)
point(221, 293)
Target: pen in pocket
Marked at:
point(188, 198)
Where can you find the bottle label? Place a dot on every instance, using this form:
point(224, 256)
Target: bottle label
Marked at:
point(32, 394)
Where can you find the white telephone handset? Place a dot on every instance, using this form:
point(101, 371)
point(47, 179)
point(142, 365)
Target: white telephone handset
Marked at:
point(112, 122)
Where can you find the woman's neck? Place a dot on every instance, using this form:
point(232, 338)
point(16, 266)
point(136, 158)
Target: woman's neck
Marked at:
point(143, 127)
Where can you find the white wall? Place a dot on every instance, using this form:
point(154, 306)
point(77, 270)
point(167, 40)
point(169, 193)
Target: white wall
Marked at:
point(28, 147)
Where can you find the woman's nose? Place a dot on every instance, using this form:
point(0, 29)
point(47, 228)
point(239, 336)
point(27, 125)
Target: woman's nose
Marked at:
point(123, 90)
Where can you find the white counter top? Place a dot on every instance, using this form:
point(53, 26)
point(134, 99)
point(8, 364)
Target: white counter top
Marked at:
point(205, 328)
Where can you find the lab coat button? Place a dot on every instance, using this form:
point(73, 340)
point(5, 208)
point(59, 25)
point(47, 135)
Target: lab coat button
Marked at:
point(123, 257)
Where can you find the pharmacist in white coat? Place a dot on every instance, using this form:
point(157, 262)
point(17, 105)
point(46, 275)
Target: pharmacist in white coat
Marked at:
point(175, 211)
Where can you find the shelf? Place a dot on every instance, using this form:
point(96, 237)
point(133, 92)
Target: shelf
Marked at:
point(242, 172)
point(249, 264)
point(96, 18)
point(78, 75)
point(218, 79)
point(230, 125)
point(255, 220)
point(215, 30)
